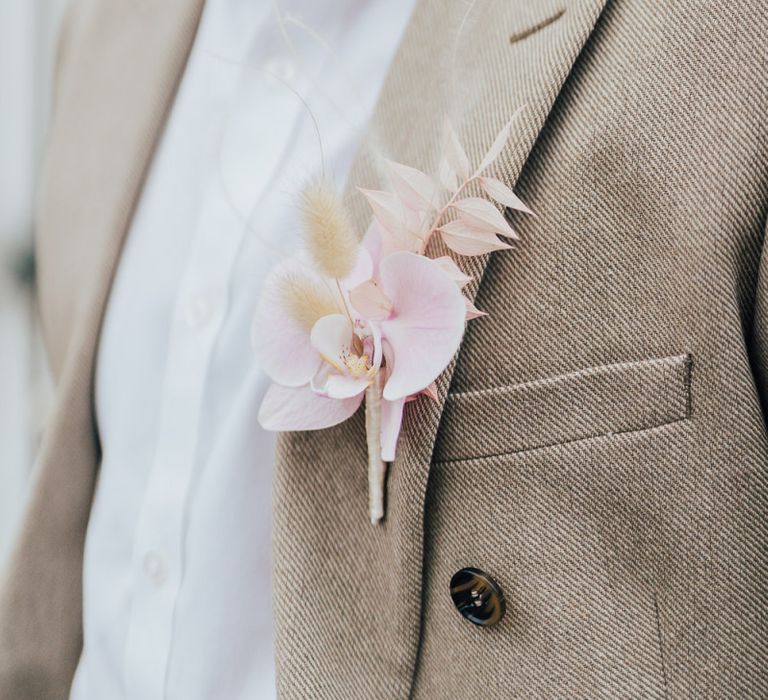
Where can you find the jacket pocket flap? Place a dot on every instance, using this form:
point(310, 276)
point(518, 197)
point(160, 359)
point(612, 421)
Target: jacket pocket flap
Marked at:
point(614, 398)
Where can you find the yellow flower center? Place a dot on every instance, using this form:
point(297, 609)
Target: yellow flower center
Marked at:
point(358, 365)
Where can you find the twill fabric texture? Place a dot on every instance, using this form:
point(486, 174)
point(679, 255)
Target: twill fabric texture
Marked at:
point(599, 445)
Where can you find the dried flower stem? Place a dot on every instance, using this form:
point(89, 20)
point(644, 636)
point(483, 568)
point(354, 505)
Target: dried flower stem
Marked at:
point(344, 303)
point(439, 216)
point(377, 468)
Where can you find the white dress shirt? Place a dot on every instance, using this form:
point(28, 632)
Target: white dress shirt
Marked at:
point(177, 562)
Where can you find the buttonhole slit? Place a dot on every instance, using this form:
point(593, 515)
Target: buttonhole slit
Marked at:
point(519, 36)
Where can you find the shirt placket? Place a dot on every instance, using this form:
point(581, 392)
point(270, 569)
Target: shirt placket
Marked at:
point(159, 542)
point(199, 312)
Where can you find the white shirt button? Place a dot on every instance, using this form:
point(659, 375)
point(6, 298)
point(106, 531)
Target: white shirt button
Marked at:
point(198, 311)
point(155, 568)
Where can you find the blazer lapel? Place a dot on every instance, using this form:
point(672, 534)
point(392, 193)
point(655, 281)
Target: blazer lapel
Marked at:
point(119, 67)
point(508, 54)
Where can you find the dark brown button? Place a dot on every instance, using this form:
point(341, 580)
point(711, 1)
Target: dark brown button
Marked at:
point(478, 597)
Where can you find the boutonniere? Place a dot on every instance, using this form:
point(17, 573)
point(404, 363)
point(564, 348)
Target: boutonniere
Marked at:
point(346, 321)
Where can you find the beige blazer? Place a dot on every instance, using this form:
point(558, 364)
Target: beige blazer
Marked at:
point(599, 446)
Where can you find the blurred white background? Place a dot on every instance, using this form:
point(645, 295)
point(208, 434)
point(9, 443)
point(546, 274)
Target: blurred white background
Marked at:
point(28, 33)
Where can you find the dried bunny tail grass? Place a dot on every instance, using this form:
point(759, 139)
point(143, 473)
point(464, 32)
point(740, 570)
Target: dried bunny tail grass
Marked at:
point(306, 300)
point(329, 236)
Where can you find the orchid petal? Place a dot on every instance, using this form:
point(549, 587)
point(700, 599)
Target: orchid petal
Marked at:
point(377, 344)
point(344, 386)
point(373, 242)
point(361, 271)
point(427, 324)
point(318, 382)
point(299, 408)
point(370, 302)
point(280, 342)
point(332, 337)
point(391, 422)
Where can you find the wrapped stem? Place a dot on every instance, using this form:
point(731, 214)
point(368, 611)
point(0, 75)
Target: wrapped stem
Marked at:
point(377, 468)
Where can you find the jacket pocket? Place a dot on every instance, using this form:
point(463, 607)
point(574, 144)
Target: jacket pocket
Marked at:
point(617, 398)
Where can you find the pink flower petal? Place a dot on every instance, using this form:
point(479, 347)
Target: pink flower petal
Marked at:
point(332, 337)
point(282, 344)
point(344, 386)
point(373, 345)
point(362, 270)
point(370, 302)
point(337, 385)
point(391, 422)
point(427, 323)
point(373, 242)
point(299, 408)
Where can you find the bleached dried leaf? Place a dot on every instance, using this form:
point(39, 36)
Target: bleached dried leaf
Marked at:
point(388, 210)
point(370, 301)
point(447, 175)
point(472, 310)
point(498, 144)
point(481, 214)
point(399, 223)
point(455, 154)
point(416, 189)
point(503, 194)
point(465, 240)
point(453, 271)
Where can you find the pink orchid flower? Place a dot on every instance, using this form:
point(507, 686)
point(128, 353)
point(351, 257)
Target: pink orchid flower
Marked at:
point(400, 322)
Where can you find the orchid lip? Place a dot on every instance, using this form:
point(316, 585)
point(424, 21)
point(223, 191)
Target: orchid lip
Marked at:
point(332, 363)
